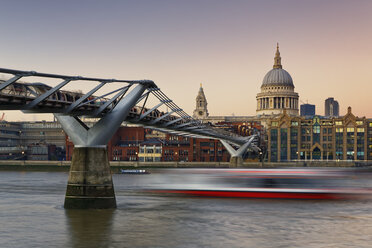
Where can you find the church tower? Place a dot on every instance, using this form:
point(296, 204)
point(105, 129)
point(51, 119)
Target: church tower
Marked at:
point(201, 111)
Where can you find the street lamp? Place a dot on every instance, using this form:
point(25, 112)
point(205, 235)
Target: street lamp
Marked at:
point(262, 158)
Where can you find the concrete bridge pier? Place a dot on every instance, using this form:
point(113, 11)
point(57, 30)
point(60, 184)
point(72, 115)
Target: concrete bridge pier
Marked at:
point(236, 159)
point(90, 182)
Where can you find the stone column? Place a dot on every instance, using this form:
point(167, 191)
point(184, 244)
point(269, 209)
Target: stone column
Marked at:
point(299, 133)
point(90, 182)
point(355, 143)
point(278, 144)
point(344, 143)
point(289, 143)
point(236, 162)
point(269, 145)
point(334, 143)
point(365, 141)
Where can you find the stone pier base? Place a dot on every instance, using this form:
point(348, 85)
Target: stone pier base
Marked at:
point(236, 162)
point(90, 181)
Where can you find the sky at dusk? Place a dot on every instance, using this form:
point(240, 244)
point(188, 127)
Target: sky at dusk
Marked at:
point(228, 46)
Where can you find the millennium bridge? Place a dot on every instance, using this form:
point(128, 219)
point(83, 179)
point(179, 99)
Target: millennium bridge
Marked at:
point(110, 102)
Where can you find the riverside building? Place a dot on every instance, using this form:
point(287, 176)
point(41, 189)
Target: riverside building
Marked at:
point(40, 140)
point(319, 138)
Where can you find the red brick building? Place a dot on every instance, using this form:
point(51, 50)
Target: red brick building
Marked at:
point(125, 145)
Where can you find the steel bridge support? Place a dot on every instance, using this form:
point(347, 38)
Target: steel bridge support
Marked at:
point(236, 159)
point(90, 182)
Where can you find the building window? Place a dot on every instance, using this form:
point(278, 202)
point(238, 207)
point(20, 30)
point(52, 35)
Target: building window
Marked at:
point(350, 130)
point(294, 123)
point(360, 130)
point(338, 123)
point(350, 143)
point(360, 145)
point(339, 144)
point(283, 144)
point(359, 123)
point(274, 145)
point(294, 143)
point(316, 129)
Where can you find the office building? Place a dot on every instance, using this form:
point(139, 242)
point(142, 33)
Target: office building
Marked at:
point(307, 110)
point(319, 138)
point(331, 107)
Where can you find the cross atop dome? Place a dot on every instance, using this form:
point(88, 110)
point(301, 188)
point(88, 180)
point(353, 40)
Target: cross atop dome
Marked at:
point(277, 58)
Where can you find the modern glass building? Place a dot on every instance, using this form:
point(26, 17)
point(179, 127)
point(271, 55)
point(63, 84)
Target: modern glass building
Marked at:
point(307, 109)
point(331, 107)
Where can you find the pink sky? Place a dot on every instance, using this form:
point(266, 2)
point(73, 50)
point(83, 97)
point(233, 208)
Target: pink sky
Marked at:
point(228, 46)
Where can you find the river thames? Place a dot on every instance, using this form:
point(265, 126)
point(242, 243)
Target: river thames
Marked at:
point(32, 215)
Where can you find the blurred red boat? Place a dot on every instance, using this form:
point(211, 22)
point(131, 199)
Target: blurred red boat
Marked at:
point(319, 184)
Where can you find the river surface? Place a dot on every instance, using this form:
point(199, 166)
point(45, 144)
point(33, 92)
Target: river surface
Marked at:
point(32, 215)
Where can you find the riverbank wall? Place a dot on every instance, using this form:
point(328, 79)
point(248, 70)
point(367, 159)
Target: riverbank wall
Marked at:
point(117, 165)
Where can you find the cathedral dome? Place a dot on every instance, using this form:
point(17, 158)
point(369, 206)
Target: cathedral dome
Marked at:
point(277, 76)
point(277, 91)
